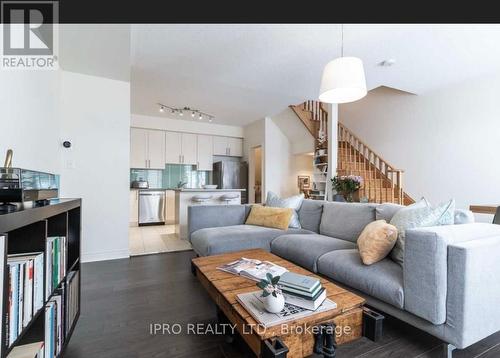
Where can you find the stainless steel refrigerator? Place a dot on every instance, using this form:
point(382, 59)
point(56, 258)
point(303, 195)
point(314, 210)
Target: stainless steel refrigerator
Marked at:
point(232, 175)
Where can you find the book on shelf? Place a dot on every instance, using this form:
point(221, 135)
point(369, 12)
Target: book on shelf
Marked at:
point(254, 304)
point(2, 274)
point(253, 269)
point(54, 328)
point(72, 297)
point(25, 289)
point(56, 252)
point(32, 350)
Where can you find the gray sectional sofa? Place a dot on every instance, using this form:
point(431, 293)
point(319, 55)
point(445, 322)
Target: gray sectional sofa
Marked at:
point(448, 286)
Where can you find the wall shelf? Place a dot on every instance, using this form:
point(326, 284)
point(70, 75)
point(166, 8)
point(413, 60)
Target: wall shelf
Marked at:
point(25, 231)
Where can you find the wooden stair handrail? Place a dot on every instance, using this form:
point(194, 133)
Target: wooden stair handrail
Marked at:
point(343, 127)
point(379, 168)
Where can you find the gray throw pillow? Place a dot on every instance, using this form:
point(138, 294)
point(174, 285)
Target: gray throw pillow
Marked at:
point(293, 202)
point(420, 214)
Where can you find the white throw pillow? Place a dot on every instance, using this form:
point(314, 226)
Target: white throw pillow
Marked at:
point(293, 202)
point(420, 214)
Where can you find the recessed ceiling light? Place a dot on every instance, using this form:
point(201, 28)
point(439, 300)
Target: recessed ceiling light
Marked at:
point(387, 63)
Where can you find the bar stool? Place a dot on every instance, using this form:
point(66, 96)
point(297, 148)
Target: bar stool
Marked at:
point(201, 198)
point(227, 198)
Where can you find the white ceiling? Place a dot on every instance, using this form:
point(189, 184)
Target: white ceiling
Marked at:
point(96, 49)
point(241, 73)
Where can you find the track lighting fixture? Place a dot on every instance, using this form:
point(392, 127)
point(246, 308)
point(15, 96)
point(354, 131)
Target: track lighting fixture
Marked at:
point(180, 111)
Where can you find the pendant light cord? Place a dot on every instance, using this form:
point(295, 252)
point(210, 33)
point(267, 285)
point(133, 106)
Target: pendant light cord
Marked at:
point(342, 43)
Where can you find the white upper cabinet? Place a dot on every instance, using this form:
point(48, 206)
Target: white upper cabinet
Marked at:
point(138, 148)
point(189, 149)
point(228, 146)
point(156, 149)
point(173, 150)
point(235, 146)
point(220, 145)
point(205, 152)
point(147, 148)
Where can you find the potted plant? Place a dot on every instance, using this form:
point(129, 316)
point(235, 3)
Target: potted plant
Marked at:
point(348, 186)
point(274, 301)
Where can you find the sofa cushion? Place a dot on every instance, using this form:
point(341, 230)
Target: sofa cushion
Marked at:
point(219, 240)
point(276, 218)
point(293, 202)
point(346, 221)
point(305, 250)
point(310, 214)
point(386, 211)
point(383, 280)
point(376, 241)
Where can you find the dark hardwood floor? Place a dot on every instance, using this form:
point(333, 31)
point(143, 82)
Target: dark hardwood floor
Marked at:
point(121, 298)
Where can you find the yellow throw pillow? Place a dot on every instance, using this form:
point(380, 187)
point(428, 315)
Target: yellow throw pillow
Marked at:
point(277, 218)
point(376, 241)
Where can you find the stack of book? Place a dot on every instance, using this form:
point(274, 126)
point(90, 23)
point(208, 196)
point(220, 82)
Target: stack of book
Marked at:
point(56, 262)
point(25, 292)
point(72, 298)
point(302, 291)
point(54, 318)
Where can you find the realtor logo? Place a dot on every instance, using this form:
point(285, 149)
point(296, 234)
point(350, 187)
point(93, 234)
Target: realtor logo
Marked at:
point(29, 39)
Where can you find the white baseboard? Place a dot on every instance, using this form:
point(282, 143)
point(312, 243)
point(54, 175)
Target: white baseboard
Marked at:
point(106, 255)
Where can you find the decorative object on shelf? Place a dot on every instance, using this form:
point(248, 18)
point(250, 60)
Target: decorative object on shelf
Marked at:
point(180, 111)
point(343, 79)
point(348, 186)
point(274, 301)
point(304, 182)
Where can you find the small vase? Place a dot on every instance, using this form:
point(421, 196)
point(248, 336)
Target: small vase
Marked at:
point(351, 197)
point(274, 304)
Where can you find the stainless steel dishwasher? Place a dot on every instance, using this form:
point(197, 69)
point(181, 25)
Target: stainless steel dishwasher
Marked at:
point(151, 207)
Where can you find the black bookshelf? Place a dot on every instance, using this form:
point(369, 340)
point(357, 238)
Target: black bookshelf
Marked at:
point(26, 230)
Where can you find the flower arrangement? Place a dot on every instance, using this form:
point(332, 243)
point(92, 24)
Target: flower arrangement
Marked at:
point(269, 285)
point(347, 185)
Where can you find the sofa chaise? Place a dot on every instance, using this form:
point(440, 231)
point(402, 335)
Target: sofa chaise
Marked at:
point(448, 285)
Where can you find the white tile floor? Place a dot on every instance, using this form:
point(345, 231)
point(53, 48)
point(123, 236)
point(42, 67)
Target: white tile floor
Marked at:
point(155, 239)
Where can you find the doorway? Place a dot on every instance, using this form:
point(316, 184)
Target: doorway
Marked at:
point(255, 174)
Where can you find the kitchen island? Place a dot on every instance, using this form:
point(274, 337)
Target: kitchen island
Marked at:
point(186, 197)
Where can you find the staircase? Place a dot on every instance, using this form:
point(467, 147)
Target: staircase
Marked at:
point(382, 182)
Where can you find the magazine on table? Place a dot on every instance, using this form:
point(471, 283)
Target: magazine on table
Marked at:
point(253, 302)
point(253, 269)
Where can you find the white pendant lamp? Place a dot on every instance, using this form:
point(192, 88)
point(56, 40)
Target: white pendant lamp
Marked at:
point(343, 79)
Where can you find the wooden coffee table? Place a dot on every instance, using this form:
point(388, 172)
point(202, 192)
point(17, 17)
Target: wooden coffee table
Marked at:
point(297, 337)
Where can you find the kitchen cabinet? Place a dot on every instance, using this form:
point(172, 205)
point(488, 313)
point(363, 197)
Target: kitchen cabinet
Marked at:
point(134, 207)
point(156, 149)
point(220, 145)
point(235, 146)
point(228, 146)
point(138, 148)
point(173, 150)
point(147, 148)
point(205, 152)
point(189, 149)
point(180, 148)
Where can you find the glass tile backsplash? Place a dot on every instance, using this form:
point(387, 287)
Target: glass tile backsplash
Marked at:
point(171, 176)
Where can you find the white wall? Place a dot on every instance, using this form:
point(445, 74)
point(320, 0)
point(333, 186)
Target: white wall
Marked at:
point(447, 141)
point(29, 121)
point(191, 126)
point(301, 141)
point(95, 117)
point(254, 136)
